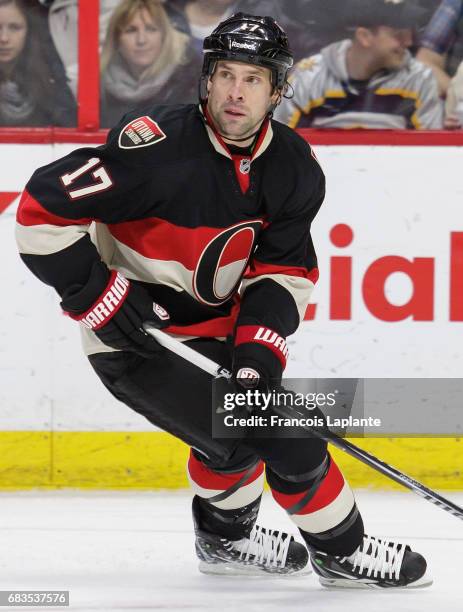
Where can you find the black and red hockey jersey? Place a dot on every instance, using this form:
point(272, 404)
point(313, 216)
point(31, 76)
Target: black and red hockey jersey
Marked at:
point(214, 237)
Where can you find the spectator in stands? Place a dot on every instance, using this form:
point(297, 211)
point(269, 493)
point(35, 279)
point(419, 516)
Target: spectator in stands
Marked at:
point(203, 16)
point(369, 81)
point(33, 88)
point(315, 23)
point(442, 42)
point(63, 23)
point(310, 24)
point(454, 102)
point(145, 60)
point(429, 7)
point(300, 18)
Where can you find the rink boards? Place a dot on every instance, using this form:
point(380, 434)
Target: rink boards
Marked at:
point(156, 460)
point(389, 304)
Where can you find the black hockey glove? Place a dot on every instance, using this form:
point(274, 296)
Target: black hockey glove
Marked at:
point(115, 309)
point(259, 357)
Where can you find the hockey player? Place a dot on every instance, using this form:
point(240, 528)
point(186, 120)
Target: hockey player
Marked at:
point(180, 208)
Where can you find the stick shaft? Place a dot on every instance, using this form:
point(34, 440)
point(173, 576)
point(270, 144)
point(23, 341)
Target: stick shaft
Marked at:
point(394, 474)
point(208, 365)
point(183, 350)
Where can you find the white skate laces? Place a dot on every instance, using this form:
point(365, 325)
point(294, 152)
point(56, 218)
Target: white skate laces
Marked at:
point(263, 546)
point(377, 557)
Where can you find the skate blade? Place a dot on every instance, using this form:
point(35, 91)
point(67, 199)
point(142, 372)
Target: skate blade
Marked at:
point(345, 583)
point(238, 569)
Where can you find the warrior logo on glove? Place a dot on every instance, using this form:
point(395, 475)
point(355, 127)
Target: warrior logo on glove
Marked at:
point(108, 305)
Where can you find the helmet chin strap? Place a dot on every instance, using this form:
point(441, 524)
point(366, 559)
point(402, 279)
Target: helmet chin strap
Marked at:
point(240, 139)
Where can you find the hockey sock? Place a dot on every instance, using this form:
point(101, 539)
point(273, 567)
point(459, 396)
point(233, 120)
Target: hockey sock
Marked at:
point(322, 505)
point(226, 502)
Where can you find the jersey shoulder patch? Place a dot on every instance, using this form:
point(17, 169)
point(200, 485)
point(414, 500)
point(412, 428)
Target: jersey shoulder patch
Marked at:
point(140, 132)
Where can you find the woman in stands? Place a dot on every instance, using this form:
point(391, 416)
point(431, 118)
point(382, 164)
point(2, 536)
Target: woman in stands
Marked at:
point(33, 87)
point(145, 60)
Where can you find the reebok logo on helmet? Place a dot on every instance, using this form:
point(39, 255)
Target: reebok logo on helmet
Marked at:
point(243, 45)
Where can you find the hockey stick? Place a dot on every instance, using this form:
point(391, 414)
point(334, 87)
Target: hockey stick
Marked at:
point(206, 364)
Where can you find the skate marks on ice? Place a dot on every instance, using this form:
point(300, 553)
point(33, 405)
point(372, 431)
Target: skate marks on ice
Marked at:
point(135, 551)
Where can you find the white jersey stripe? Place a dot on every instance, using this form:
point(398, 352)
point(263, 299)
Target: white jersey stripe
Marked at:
point(47, 239)
point(300, 288)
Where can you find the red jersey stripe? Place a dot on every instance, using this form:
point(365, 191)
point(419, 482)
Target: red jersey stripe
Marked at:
point(213, 328)
point(259, 268)
point(158, 239)
point(30, 213)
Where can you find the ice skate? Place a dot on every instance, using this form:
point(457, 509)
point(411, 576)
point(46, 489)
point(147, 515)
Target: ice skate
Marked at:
point(377, 564)
point(264, 552)
point(235, 545)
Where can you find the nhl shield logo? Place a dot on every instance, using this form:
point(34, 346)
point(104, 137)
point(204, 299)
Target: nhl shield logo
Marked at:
point(141, 132)
point(245, 166)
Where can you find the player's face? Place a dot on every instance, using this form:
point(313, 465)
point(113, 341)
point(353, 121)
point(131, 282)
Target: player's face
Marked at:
point(389, 46)
point(239, 98)
point(13, 32)
point(140, 41)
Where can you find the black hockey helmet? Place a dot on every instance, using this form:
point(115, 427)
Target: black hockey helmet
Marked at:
point(250, 39)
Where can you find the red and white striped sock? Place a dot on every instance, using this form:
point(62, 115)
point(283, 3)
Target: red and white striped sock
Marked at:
point(325, 511)
point(226, 490)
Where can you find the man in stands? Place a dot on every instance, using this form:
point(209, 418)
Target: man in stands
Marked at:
point(369, 81)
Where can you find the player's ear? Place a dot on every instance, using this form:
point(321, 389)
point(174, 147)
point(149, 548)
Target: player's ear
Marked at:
point(209, 84)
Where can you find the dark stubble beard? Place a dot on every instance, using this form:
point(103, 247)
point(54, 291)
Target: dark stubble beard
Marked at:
point(247, 133)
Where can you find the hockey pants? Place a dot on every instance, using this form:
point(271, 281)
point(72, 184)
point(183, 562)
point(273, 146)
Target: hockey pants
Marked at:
point(227, 475)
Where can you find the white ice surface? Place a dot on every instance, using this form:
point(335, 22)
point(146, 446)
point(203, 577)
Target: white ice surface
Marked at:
point(134, 551)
